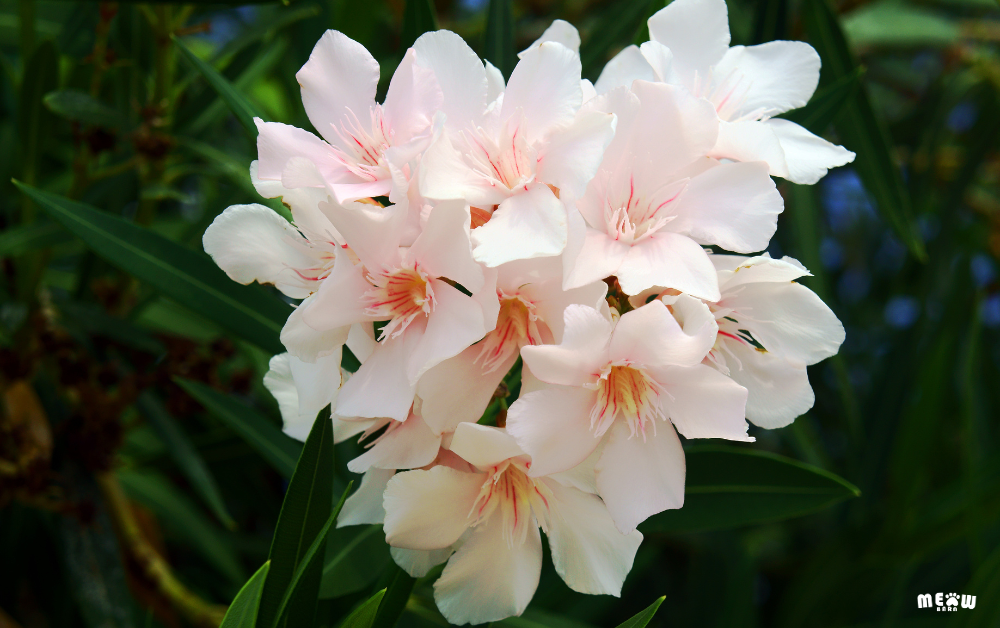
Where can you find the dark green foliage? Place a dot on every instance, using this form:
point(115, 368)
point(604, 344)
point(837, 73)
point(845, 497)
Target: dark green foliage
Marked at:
point(499, 49)
point(242, 612)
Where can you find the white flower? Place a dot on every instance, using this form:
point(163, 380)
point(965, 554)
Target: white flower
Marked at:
point(490, 517)
point(657, 197)
point(513, 160)
point(770, 329)
point(427, 319)
point(359, 135)
point(747, 85)
point(619, 380)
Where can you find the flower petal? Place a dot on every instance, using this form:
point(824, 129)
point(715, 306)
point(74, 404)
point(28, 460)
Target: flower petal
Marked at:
point(487, 580)
point(733, 205)
point(581, 355)
point(651, 336)
point(545, 85)
point(459, 73)
point(669, 260)
point(338, 83)
point(560, 31)
point(527, 225)
point(637, 478)
point(457, 390)
point(365, 504)
point(771, 78)
point(572, 154)
point(593, 257)
point(429, 510)
point(443, 249)
point(625, 67)
point(253, 243)
point(305, 342)
point(750, 140)
point(412, 99)
point(703, 403)
point(410, 445)
point(484, 446)
point(338, 303)
point(380, 388)
point(778, 388)
point(278, 144)
point(553, 427)
point(588, 551)
point(809, 156)
point(455, 323)
point(695, 31)
point(418, 562)
point(495, 82)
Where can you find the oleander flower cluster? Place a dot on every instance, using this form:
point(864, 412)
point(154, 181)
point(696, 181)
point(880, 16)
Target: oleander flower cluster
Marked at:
point(469, 237)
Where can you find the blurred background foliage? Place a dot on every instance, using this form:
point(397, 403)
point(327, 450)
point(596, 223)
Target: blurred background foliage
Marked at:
point(141, 471)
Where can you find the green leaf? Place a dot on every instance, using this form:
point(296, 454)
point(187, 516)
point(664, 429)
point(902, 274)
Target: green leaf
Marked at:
point(304, 583)
point(243, 109)
point(364, 615)
point(185, 455)
point(188, 277)
point(355, 557)
point(534, 618)
point(23, 239)
point(860, 129)
point(499, 48)
point(418, 18)
point(183, 519)
point(278, 450)
point(770, 21)
point(895, 23)
point(642, 619)
point(242, 612)
point(304, 511)
point(826, 103)
point(730, 486)
point(80, 106)
point(395, 599)
point(40, 76)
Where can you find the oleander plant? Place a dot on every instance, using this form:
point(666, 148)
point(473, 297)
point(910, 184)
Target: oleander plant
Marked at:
point(526, 313)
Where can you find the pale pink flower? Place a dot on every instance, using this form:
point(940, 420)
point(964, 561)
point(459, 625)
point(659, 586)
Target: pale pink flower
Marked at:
point(485, 522)
point(359, 135)
point(514, 157)
point(634, 381)
point(657, 198)
point(748, 86)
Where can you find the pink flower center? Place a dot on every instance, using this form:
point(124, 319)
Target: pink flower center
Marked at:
point(732, 329)
point(516, 326)
point(521, 500)
point(399, 296)
point(506, 160)
point(627, 391)
point(631, 216)
point(363, 151)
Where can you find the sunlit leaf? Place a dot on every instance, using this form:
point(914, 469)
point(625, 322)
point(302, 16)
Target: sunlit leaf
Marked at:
point(244, 110)
point(242, 612)
point(897, 23)
point(364, 615)
point(729, 486)
point(305, 509)
point(279, 450)
point(189, 277)
point(642, 619)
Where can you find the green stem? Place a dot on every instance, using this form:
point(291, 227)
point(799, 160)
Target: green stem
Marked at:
point(26, 18)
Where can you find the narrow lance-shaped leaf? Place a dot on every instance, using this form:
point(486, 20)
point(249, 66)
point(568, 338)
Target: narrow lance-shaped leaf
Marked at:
point(395, 599)
point(500, 36)
point(770, 21)
point(278, 450)
point(311, 563)
point(242, 612)
point(418, 18)
point(364, 615)
point(74, 104)
point(188, 459)
point(643, 618)
point(355, 558)
point(186, 276)
point(730, 486)
point(305, 509)
point(860, 128)
point(244, 110)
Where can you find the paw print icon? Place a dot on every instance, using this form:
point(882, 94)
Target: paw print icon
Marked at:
point(951, 599)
